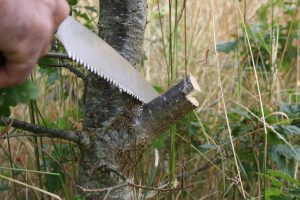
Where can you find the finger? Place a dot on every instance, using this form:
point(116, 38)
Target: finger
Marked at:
point(61, 11)
point(46, 45)
point(14, 74)
point(46, 48)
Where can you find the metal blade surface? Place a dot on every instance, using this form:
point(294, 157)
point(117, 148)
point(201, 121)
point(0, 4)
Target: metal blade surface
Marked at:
point(88, 49)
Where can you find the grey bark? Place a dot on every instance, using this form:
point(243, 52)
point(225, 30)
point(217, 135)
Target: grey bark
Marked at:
point(121, 128)
point(109, 156)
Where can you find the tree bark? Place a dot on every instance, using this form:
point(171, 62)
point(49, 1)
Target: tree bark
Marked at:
point(107, 160)
point(119, 127)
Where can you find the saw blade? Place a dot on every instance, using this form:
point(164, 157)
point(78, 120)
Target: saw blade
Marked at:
point(86, 48)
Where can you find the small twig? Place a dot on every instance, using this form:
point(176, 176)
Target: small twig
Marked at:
point(65, 65)
point(58, 55)
point(75, 71)
point(107, 194)
point(207, 165)
point(182, 173)
point(208, 108)
point(21, 135)
point(69, 67)
point(101, 189)
point(160, 189)
point(132, 185)
point(75, 136)
point(181, 11)
point(104, 167)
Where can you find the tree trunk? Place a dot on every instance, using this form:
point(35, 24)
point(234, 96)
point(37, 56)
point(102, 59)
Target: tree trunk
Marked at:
point(119, 127)
point(107, 160)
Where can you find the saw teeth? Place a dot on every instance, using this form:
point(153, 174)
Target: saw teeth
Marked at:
point(97, 72)
point(70, 54)
point(101, 74)
point(84, 64)
point(73, 57)
point(115, 84)
point(76, 58)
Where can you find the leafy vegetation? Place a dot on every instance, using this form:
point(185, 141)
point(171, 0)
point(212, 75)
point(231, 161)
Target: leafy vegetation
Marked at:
point(18, 94)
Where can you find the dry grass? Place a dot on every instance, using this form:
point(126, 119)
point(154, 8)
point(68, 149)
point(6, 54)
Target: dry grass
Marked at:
point(202, 64)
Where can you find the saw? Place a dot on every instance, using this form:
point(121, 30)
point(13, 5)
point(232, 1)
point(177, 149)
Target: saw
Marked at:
point(86, 48)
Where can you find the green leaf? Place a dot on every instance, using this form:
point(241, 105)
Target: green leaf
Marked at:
point(91, 8)
point(291, 130)
point(290, 109)
point(53, 182)
point(160, 141)
point(4, 187)
point(243, 129)
point(237, 113)
point(18, 94)
point(206, 147)
point(286, 157)
point(158, 88)
point(72, 2)
point(51, 72)
point(227, 46)
point(284, 176)
point(275, 194)
point(274, 181)
point(262, 13)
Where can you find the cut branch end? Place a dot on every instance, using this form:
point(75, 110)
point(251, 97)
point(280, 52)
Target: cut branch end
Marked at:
point(191, 95)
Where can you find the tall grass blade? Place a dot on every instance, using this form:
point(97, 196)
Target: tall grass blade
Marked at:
point(224, 105)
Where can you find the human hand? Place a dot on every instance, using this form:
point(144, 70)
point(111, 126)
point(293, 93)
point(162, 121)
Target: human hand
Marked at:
point(26, 30)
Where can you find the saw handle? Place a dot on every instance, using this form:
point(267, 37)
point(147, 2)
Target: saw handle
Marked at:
point(2, 59)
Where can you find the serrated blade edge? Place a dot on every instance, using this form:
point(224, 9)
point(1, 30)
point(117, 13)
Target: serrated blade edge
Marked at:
point(96, 55)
